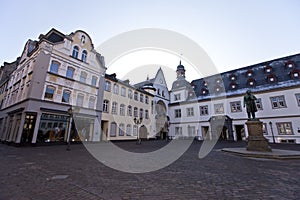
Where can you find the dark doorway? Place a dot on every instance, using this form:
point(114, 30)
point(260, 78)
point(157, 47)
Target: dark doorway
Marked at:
point(223, 133)
point(28, 128)
point(240, 133)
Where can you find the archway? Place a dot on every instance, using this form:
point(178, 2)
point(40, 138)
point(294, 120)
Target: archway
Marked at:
point(162, 125)
point(143, 133)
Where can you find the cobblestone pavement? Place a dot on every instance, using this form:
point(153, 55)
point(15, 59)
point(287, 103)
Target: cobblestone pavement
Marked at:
point(51, 172)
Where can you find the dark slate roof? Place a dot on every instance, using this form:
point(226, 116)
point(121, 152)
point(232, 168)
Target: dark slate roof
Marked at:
point(277, 73)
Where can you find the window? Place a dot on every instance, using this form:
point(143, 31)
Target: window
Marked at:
point(54, 67)
point(106, 106)
point(116, 89)
point(49, 92)
point(135, 112)
point(92, 101)
point(235, 106)
point(278, 102)
point(219, 108)
point(177, 113)
point(141, 113)
point(298, 98)
point(146, 99)
point(70, 72)
point(79, 101)
point(135, 129)
point(232, 77)
point(122, 109)
point(146, 114)
point(121, 129)
point(130, 94)
point(113, 129)
point(158, 91)
point(259, 104)
point(177, 97)
point(84, 55)
point(190, 112)
point(136, 96)
point(123, 92)
point(178, 131)
point(141, 98)
point(264, 129)
point(82, 39)
point(191, 131)
point(83, 76)
point(203, 110)
point(284, 128)
point(249, 73)
point(114, 108)
point(107, 86)
point(94, 80)
point(75, 52)
point(129, 110)
point(128, 130)
point(163, 93)
point(66, 96)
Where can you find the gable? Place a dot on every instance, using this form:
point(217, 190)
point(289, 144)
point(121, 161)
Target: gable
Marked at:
point(160, 78)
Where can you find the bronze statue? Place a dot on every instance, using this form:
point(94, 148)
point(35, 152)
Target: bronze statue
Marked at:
point(249, 101)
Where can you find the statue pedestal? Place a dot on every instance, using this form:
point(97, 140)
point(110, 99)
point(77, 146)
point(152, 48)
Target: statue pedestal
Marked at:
point(256, 140)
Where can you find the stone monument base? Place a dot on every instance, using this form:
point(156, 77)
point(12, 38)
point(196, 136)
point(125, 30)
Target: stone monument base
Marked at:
point(256, 140)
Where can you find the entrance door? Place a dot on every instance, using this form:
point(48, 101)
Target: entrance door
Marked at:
point(143, 132)
point(104, 128)
point(28, 128)
point(240, 132)
point(224, 133)
point(205, 133)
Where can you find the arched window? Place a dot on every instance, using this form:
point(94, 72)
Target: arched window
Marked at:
point(122, 109)
point(141, 98)
point(49, 92)
point(66, 96)
point(135, 129)
point(70, 72)
point(75, 52)
point(128, 130)
point(136, 96)
point(105, 106)
point(113, 129)
point(146, 99)
point(146, 114)
point(129, 110)
point(121, 129)
point(54, 67)
point(92, 101)
point(114, 108)
point(163, 93)
point(107, 86)
point(116, 89)
point(135, 112)
point(84, 55)
point(141, 112)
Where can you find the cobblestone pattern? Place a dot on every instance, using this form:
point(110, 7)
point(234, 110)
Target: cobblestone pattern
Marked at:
point(32, 173)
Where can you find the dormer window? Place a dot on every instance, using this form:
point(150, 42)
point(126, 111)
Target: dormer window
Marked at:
point(218, 81)
point(204, 91)
point(271, 78)
point(84, 55)
point(268, 69)
point(233, 85)
point(251, 82)
point(295, 73)
point(205, 83)
point(75, 52)
point(290, 64)
point(232, 77)
point(249, 73)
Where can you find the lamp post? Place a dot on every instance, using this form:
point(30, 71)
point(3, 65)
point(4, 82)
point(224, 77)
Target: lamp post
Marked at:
point(138, 122)
point(70, 112)
point(270, 123)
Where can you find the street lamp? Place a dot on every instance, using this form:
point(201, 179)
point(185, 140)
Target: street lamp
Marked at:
point(270, 123)
point(138, 122)
point(70, 112)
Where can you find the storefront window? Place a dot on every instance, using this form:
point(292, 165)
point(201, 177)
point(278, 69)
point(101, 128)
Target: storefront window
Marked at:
point(52, 128)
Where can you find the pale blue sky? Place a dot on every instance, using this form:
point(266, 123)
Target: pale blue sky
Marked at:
point(234, 33)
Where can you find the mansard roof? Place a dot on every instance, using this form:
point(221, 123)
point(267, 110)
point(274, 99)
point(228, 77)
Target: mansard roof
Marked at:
point(273, 74)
